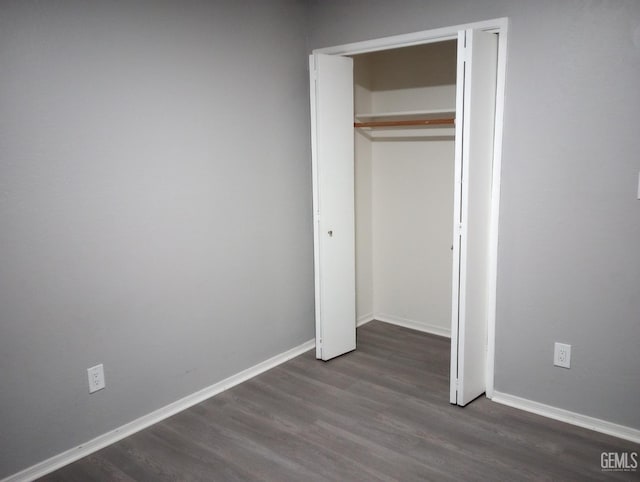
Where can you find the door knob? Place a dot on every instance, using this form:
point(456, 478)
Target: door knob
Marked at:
point(330, 233)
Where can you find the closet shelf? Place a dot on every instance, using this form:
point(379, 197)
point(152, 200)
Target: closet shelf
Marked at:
point(407, 114)
point(423, 118)
point(407, 123)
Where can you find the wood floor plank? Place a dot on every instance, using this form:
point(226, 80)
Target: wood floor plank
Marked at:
point(378, 413)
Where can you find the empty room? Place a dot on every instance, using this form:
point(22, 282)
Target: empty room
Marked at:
point(319, 240)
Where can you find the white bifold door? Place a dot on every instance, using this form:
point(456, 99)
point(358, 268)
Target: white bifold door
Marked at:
point(332, 136)
point(333, 204)
point(475, 119)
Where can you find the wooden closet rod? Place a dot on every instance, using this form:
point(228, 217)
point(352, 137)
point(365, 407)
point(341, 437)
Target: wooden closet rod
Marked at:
point(405, 123)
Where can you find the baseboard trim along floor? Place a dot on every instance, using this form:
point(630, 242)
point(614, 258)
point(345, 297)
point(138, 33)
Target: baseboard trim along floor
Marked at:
point(412, 324)
point(57, 461)
point(364, 319)
point(602, 426)
point(379, 412)
point(47, 466)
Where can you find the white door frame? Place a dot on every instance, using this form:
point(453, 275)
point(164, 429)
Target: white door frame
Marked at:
point(499, 26)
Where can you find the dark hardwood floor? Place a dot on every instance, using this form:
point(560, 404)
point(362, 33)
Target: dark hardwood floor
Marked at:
point(379, 413)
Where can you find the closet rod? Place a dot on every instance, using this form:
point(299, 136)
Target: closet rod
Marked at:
point(405, 123)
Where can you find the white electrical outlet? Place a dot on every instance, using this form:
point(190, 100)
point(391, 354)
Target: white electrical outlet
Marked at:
point(562, 355)
point(96, 378)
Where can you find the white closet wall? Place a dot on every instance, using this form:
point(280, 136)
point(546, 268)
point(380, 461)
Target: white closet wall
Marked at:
point(404, 190)
point(412, 231)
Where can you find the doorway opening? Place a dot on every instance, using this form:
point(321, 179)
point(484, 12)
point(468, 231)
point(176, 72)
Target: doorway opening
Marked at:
point(404, 185)
point(385, 110)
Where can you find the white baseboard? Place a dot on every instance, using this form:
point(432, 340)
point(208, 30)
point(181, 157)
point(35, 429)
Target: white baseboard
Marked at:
point(609, 428)
point(57, 461)
point(364, 319)
point(414, 325)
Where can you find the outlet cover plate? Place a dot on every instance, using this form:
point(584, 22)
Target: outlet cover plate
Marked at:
point(96, 378)
point(562, 355)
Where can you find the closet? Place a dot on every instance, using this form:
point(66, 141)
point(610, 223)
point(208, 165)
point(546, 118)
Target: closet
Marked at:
point(404, 103)
point(405, 190)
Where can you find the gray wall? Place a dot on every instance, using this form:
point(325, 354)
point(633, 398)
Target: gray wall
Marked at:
point(569, 257)
point(155, 200)
point(155, 207)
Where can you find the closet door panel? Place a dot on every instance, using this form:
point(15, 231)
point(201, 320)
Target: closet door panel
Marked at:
point(480, 64)
point(334, 223)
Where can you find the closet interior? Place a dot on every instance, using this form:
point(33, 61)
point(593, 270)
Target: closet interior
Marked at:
point(405, 103)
